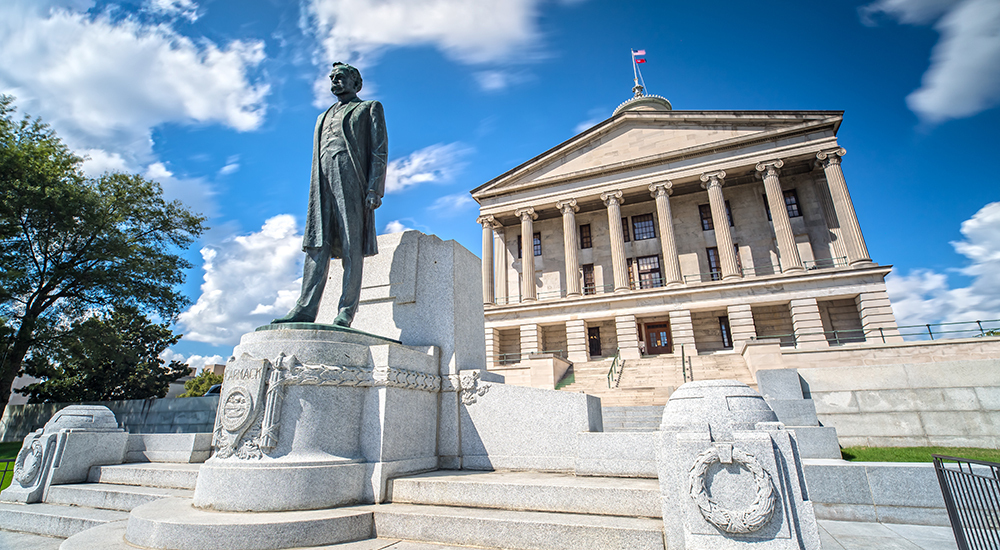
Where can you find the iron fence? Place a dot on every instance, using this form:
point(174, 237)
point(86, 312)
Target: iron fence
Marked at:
point(971, 491)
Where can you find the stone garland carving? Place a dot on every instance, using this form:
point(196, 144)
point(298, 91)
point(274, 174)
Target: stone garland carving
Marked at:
point(744, 521)
point(29, 461)
point(249, 426)
point(471, 390)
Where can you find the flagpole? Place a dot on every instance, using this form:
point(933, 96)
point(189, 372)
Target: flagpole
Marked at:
point(637, 74)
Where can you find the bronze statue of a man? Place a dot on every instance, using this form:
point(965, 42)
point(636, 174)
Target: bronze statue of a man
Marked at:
point(350, 147)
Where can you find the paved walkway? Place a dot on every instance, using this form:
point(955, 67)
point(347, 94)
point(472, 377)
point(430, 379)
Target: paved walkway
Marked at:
point(836, 535)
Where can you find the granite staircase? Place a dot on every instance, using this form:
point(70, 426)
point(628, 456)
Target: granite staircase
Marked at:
point(109, 495)
point(523, 511)
point(650, 380)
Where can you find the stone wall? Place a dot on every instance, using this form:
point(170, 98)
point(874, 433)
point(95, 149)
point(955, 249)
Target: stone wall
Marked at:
point(185, 415)
point(707, 334)
point(774, 320)
point(554, 338)
point(948, 403)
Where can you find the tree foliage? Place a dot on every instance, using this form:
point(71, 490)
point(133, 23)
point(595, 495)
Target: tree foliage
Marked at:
point(197, 386)
point(71, 245)
point(104, 357)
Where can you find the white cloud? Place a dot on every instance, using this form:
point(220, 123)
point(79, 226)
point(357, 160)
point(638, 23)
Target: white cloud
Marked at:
point(594, 116)
point(395, 226)
point(231, 167)
point(249, 280)
point(196, 362)
point(497, 80)
point(176, 8)
point(196, 193)
point(964, 75)
point(450, 205)
point(924, 296)
point(104, 83)
point(471, 32)
point(434, 164)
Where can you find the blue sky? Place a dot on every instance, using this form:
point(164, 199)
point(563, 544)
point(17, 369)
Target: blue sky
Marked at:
point(217, 101)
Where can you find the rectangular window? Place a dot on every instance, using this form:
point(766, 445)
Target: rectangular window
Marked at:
point(739, 263)
point(727, 338)
point(642, 227)
point(713, 263)
point(625, 229)
point(631, 273)
point(585, 240)
point(767, 207)
point(589, 286)
point(792, 203)
point(706, 217)
point(649, 272)
point(537, 241)
point(705, 210)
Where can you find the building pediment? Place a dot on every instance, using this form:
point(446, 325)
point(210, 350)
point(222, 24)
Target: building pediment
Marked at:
point(633, 139)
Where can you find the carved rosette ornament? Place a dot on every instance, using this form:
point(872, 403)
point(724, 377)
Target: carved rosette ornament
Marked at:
point(471, 390)
point(746, 520)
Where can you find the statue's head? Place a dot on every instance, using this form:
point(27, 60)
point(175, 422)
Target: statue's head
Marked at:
point(349, 81)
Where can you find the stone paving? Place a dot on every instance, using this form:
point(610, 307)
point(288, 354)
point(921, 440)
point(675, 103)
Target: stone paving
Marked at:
point(835, 535)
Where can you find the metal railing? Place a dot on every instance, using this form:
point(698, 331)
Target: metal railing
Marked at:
point(971, 491)
point(960, 329)
point(703, 277)
point(825, 263)
point(758, 270)
point(6, 473)
point(617, 364)
point(514, 358)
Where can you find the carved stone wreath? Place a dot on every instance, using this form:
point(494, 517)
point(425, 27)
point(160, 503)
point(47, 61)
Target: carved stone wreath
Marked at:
point(747, 520)
point(28, 463)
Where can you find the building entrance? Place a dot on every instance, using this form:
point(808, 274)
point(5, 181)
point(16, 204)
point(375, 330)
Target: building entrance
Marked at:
point(658, 339)
point(594, 341)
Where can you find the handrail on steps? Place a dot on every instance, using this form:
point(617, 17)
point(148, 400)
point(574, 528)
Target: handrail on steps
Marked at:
point(617, 362)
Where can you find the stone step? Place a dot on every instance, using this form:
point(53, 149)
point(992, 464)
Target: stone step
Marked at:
point(516, 530)
point(534, 491)
point(108, 496)
point(166, 475)
point(54, 520)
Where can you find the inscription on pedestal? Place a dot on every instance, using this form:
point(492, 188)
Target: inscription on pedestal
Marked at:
point(237, 428)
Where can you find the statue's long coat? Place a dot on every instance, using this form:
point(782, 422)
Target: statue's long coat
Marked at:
point(368, 148)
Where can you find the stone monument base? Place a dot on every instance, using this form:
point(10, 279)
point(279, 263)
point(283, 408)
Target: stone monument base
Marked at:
point(174, 524)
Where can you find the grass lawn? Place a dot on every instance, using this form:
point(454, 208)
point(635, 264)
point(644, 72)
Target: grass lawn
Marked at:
point(8, 451)
point(916, 454)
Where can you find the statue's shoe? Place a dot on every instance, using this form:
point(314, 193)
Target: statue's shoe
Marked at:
point(294, 317)
point(342, 320)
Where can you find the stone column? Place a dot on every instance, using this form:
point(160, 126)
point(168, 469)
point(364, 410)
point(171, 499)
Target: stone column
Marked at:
point(857, 251)
point(661, 191)
point(877, 318)
point(487, 223)
point(527, 216)
point(576, 341)
point(613, 200)
point(500, 263)
point(787, 251)
point(570, 245)
point(807, 324)
point(627, 332)
point(741, 324)
point(682, 332)
point(712, 182)
point(492, 347)
point(530, 341)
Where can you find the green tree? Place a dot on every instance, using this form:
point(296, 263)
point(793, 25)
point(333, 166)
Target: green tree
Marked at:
point(104, 357)
point(197, 386)
point(71, 245)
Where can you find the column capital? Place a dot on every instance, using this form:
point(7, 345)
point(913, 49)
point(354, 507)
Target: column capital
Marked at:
point(710, 179)
point(661, 187)
point(488, 222)
point(565, 206)
point(612, 197)
point(831, 156)
point(769, 168)
point(524, 213)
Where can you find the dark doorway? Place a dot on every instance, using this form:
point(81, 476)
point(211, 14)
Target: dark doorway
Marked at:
point(658, 339)
point(594, 340)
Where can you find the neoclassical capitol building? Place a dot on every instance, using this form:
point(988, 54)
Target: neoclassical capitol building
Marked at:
point(661, 232)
